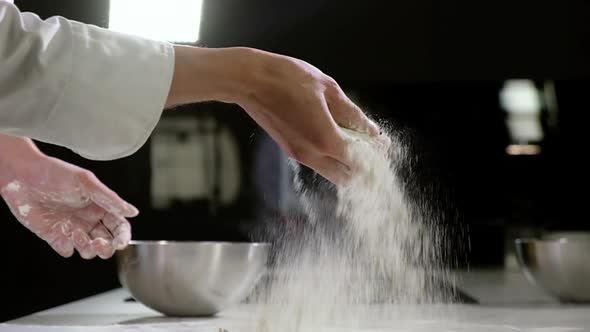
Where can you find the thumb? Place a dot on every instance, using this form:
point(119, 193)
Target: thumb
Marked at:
point(348, 115)
point(104, 197)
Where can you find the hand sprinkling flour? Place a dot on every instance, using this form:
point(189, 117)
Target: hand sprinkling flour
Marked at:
point(367, 245)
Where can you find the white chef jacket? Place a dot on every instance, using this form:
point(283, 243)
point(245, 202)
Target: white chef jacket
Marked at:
point(97, 92)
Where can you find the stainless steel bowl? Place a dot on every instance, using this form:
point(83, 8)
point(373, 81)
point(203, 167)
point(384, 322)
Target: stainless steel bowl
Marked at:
point(558, 263)
point(191, 278)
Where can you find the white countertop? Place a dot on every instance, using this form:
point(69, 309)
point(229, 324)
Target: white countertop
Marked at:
point(507, 302)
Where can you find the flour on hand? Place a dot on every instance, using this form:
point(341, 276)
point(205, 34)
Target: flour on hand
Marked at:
point(13, 186)
point(24, 210)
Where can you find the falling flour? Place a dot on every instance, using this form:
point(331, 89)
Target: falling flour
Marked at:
point(363, 250)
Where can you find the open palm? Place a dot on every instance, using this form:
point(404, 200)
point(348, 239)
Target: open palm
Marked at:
point(69, 208)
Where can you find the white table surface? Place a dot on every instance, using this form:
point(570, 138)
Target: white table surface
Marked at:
point(507, 302)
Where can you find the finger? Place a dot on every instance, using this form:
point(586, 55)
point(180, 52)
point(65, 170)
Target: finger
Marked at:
point(82, 243)
point(384, 140)
point(326, 155)
point(348, 115)
point(102, 241)
point(102, 196)
point(119, 228)
point(357, 142)
point(103, 248)
point(331, 169)
point(60, 239)
point(92, 213)
point(64, 247)
point(101, 232)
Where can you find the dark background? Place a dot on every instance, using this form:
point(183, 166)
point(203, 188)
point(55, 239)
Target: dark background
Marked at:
point(434, 68)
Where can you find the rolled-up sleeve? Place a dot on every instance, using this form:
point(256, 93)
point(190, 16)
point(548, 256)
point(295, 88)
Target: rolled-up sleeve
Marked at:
point(97, 92)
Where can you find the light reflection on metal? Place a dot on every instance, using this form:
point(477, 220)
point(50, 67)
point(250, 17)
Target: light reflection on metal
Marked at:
point(523, 149)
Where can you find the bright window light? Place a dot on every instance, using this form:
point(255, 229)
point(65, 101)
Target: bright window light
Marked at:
point(171, 20)
point(520, 96)
point(521, 100)
point(525, 129)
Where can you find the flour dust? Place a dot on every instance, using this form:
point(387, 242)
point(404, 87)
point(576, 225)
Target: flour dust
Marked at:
point(363, 254)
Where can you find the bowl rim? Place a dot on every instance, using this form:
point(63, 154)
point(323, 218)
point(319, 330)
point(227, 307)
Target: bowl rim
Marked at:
point(532, 240)
point(180, 243)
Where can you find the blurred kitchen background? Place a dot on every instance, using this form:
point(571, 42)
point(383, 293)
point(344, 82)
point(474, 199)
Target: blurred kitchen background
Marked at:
point(492, 96)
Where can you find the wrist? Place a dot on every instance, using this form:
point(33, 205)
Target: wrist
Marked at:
point(202, 74)
point(17, 153)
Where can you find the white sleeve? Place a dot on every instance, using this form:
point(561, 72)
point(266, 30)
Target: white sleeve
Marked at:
point(95, 91)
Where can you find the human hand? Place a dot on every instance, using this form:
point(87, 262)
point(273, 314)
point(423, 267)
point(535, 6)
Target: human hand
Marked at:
point(303, 110)
point(300, 107)
point(67, 206)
